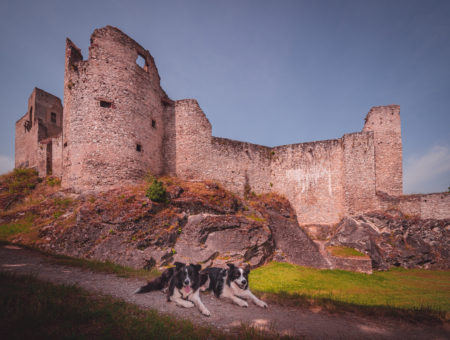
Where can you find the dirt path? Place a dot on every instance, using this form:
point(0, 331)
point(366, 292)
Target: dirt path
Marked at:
point(224, 315)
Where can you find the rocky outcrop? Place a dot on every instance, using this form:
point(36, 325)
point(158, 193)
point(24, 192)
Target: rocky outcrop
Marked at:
point(293, 242)
point(394, 240)
point(201, 223)
point(224, 238)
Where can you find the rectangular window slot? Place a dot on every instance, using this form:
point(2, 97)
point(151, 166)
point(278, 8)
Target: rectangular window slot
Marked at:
point(153, 124)
point(104, 103)
point(53, 117)
point(138, 147)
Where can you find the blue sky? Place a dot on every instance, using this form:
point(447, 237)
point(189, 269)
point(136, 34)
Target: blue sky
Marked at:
point(266, 72)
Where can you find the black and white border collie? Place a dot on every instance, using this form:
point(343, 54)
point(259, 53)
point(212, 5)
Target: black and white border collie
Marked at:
point(231, 283)
point(183, 284)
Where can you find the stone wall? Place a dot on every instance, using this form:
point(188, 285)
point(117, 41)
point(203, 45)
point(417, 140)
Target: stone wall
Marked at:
point(423, 206)
point(57, 156)
point(25, 144)
point(49, 113)
point(241, 167)
point(323, 180)
point(359, 172)
point(310, 176)
point(193, 140)
point(114, 113)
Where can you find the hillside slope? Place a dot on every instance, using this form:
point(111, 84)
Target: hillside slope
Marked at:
point(203, 223)
point(199, 222)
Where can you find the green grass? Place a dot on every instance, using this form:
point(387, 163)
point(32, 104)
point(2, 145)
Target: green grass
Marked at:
point(21, 226)
point(33, 309)
point(412, 293)
point(343, 251)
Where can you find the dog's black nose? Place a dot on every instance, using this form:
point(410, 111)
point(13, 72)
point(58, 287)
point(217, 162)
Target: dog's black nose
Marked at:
point(186, 282)
point(244, 282)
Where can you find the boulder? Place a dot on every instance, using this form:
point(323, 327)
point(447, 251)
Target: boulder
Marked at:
point(293, 242)
point(224, 238)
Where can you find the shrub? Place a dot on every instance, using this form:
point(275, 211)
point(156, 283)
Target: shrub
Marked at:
point(156, 191)
point(53, 181)
point(22, 181)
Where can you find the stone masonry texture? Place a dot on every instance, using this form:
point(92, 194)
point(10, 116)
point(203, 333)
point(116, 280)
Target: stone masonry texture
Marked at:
point(37, 131)
point(118, 124)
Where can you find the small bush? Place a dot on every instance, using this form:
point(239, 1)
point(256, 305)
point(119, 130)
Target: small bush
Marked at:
point(63, 202)
point(58, 214)
point(22, 181)
point(53, 181)
point(156, 192)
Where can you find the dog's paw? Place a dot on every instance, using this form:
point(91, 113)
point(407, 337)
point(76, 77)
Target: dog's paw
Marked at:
point(243, 303)
point(262, 304)
point(185, 304)
point(206, 312)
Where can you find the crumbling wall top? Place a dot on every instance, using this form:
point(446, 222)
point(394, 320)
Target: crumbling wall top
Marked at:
point(383, 118)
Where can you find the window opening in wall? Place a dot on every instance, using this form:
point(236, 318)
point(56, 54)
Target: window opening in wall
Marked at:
point(138, 147)
point(140, 60)
point(53, 117)
point(65, 144)
point(153, 124)
point(104, 103)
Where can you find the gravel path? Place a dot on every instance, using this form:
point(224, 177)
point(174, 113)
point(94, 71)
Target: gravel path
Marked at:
point(224, 315)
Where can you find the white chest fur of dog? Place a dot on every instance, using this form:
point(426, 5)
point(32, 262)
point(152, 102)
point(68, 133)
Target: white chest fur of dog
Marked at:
point(184, 289)
point(188, 294)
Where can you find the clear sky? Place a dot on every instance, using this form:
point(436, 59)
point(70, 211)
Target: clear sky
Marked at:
point(267, 72)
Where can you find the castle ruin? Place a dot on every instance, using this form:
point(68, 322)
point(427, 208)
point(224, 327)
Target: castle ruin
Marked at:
point(117, 123)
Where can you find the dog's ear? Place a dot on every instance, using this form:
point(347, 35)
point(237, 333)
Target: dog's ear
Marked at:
point(179, 265)
point(247, 269)
point(231, 265)
point(197, 267)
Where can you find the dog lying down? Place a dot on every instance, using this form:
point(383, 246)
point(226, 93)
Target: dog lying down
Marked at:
point(231, 283)
point(184, 283)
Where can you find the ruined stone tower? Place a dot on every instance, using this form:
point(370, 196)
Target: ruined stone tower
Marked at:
point(38, 134)
point(384, 121)
point(118, 124)
point(115, 113)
